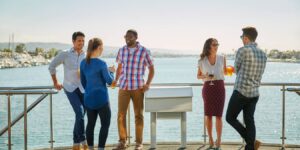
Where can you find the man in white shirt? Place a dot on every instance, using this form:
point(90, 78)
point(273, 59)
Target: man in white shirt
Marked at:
point(71, 60)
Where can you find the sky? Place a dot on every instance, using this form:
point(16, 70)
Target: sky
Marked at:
point(169, 24)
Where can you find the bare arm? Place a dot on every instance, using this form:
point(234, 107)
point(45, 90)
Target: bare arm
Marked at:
point(118, 72)
point(225, 70)
point(200, 74)
point(150, 77)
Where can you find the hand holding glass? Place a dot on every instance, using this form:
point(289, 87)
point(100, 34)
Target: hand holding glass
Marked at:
point(113, 70)
point(229, 70)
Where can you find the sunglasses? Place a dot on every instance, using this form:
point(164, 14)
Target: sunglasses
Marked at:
point(215, 45)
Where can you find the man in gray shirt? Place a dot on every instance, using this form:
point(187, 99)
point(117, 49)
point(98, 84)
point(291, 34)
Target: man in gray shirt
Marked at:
point(250, 63)
point(71, 60)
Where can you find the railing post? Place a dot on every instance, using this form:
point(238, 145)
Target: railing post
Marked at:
point(183, 129)
point(21, 115)
point(153, 130)
point(128, 125)
point(9, 122)
point(25, 121)
point(283, 118)
point(51, 124)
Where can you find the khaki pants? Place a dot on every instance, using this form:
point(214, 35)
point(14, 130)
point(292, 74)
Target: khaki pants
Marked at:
point(137, 97)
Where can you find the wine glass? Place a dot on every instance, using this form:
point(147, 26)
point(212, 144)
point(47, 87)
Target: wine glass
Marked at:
point(211, 76)
point(112, 64)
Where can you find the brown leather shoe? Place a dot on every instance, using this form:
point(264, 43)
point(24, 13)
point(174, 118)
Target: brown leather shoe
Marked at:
point(85, 147)
point(121, 146)
point(257, 144)
point(76, 147)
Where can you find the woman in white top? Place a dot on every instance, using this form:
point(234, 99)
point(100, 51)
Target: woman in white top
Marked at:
point(211, 69)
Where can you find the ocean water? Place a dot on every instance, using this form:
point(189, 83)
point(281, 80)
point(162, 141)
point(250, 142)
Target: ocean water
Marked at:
point(168, 70)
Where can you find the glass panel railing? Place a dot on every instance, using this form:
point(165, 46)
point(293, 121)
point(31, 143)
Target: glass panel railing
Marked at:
point(268, 118)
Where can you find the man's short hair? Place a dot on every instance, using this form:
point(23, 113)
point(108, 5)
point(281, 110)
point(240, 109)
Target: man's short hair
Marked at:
point(76, 34)
point(250, 32)
point(134, 32)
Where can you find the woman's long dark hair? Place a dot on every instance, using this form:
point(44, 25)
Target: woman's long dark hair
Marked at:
point(206, 48)
point(94, 43)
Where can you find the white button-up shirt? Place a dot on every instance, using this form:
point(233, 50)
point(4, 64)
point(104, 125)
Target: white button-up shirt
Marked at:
point(71, 61)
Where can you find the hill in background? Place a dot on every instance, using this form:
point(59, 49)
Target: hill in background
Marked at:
point(109, 51)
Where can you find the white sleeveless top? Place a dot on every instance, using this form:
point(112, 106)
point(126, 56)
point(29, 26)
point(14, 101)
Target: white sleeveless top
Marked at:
point(217, 69)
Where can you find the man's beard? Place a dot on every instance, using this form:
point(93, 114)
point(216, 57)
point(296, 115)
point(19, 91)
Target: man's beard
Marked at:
point(130, 44)
point(78, 47)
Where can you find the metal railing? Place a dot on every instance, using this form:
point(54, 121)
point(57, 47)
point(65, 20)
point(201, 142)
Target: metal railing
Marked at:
point(284, 88)
point(44, 91)
point(49, 90)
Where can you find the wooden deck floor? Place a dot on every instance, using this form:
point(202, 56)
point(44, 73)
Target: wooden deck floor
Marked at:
point(197, 146)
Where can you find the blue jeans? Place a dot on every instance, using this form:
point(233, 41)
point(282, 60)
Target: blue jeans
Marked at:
point(239, 103)
point(76, 101)
point(105, 114)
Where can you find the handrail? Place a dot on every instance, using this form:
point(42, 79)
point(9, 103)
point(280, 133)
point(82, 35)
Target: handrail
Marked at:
point(9, 91)
point(293, 89)
point(296, 90)
point(22, 92)
point(226, 84)
point(159, 84)
point(27, 88)
point(21, 115)
point(49, 90)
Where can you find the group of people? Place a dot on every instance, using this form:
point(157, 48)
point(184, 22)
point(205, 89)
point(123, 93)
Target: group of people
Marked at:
point(249, 66)
point(86, 77)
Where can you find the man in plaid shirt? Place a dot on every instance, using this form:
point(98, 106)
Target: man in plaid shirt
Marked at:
point(250, 63)
point(132, 61)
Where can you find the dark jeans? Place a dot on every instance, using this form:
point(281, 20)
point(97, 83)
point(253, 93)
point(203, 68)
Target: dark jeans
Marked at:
point(76, 100)
point(105, 115)
point(239, 103)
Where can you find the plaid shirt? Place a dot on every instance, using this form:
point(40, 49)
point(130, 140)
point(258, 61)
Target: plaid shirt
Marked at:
point(133, 66)
point(250, 63)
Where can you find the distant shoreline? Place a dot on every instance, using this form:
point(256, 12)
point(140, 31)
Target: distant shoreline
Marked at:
point(10, 60)
point(284, 60)
point(41, 53)
point(25, 60)
point(21, 60)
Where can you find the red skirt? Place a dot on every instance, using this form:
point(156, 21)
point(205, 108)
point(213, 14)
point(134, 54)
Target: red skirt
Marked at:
point(214, 98)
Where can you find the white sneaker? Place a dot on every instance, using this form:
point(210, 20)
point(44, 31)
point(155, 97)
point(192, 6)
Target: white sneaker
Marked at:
point(138, 147)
